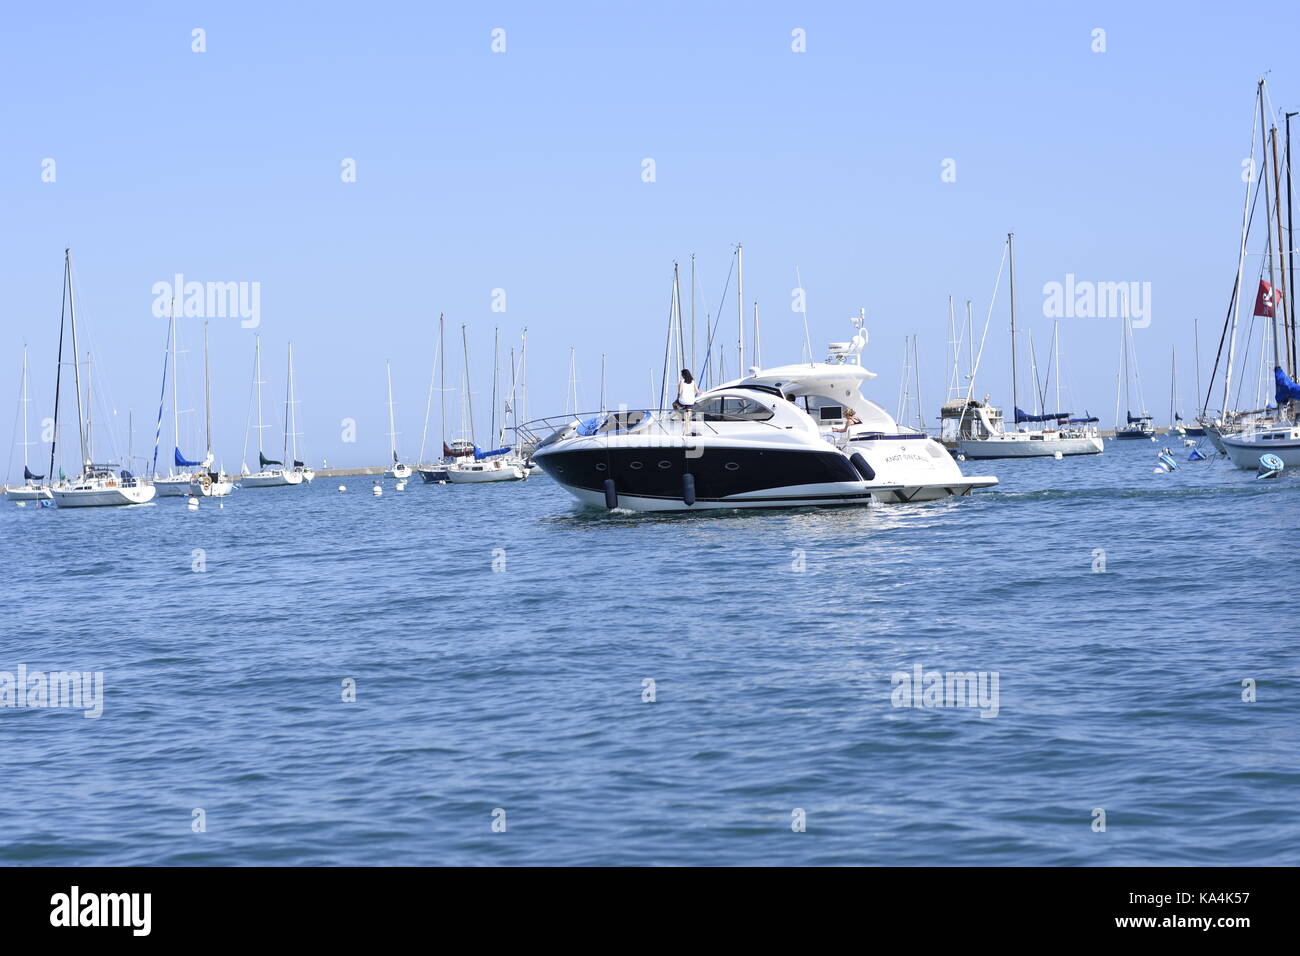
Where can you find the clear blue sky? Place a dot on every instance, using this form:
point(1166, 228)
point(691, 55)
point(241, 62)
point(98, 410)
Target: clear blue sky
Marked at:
point(522, 171)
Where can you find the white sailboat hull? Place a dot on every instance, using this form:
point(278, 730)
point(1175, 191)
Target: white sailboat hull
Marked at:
point(101, 496)
point(1024, 446)
point(270, 479)
point(398, 471)
point(219, 488)
point(174, 486)
point(476, 474)
point(28, 493)
point(1246, 449)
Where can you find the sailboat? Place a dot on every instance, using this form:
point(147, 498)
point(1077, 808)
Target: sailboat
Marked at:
point(1136, 426)
point(291, 433)
point(176, 483)
point(1246, 435)
point(97, 485)
point(982, 434)
point(33, 487)
point(271, 473)
point(397, 469)
point(436, 472)
point(498, 464)
point(209, 483)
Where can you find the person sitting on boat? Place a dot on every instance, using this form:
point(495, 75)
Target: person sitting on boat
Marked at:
point(686, 395)
point(850, 419)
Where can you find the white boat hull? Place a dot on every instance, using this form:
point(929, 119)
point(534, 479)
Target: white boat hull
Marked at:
point(398, 471)
point(173, 486)
point(100, 496)
point(28, 493)
point(476, 474)
point(220, 488)
point(1245, 450)
point(1022, 446)
point(270, 479)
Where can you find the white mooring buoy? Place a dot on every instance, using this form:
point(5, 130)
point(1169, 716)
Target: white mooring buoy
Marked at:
point(343, 487)
point(193, 504)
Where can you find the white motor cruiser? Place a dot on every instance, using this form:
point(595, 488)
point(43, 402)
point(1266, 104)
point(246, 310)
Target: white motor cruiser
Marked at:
point(794, 435)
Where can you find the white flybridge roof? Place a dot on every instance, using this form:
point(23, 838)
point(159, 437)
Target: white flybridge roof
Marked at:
point(838, 379)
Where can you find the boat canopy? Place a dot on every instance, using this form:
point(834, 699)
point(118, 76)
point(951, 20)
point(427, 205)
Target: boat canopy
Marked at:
point(1021, 416)
point(1287, 390)
point(183, 462)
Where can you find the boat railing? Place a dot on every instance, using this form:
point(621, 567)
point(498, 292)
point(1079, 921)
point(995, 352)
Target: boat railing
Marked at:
point(665, 423)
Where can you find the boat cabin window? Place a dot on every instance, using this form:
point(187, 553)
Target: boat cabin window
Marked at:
point(830, 413)
point(732, 408)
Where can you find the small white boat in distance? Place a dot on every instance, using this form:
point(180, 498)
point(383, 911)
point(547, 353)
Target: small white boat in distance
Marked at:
point(271, 472)
point(397, 469)
point(469, 471)
point(31, 489)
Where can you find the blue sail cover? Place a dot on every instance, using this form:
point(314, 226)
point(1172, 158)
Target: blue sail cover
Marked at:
point(27, 473)
point(1084, 421)
point(1134, 419)
point(182, 462)
point(1287, 390)
point(480, 454)
point(1021, 416)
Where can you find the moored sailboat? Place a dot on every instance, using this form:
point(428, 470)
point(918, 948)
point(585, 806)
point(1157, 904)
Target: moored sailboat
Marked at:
point(34, 486)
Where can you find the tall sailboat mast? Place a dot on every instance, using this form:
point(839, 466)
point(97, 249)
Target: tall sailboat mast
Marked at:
point(392, 426)
point(740, 309)
point(442, 380)
point(1015, 393)
point(82, 429)
point(291, 416)
point(176, 412)
point(468, 395)
point(207, 396)
point(25, 401)
point(257, 375)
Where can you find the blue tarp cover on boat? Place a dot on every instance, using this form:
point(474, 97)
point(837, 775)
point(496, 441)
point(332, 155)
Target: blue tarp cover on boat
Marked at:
point(182, 462)
point(1021, 416)
point(480, 454)
point(1287, 390)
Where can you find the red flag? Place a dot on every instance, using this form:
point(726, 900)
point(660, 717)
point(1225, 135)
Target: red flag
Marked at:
point(1264, 299)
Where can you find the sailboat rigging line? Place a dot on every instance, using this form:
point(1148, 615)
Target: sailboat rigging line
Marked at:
point(708, 351)
point(162, 398)
point(979, 357)
point(58, 377)
point(1232, 302)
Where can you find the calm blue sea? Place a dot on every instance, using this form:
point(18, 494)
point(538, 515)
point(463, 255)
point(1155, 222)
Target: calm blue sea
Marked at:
point(521, 689)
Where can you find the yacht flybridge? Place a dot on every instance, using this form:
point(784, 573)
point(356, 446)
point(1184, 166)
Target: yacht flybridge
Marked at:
point(794, 435)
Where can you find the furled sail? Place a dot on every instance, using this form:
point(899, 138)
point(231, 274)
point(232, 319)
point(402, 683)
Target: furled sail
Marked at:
point(27, 473)
point(1088, 420)
point(479, 454)
point(183, 462)
point(1022, 416)
point(267, 461)
point(1287, 390)
point(1134, 419)
point(298, 464)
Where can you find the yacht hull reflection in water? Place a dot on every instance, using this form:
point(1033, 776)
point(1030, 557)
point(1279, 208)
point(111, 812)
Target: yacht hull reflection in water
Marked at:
point(791, 436)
